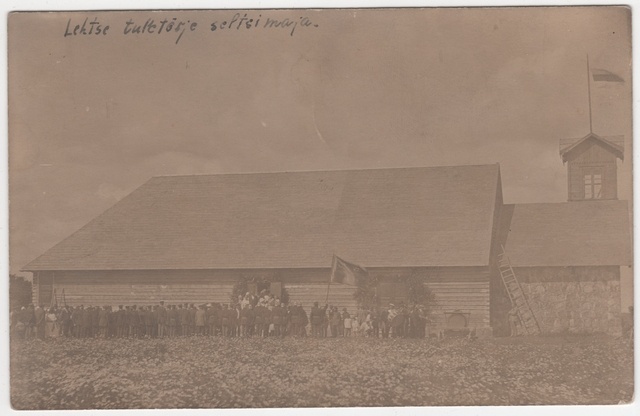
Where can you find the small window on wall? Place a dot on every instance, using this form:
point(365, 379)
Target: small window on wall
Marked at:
point(593, 184)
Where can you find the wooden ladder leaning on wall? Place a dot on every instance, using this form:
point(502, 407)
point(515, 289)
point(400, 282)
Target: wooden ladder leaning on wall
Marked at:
point(517, 295)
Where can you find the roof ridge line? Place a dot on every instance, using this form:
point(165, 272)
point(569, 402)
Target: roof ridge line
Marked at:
point(320, 170)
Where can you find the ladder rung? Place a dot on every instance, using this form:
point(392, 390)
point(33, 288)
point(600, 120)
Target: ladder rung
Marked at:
point(516, 294)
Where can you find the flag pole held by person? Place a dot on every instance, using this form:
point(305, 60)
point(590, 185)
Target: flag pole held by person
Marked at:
point(344, 272)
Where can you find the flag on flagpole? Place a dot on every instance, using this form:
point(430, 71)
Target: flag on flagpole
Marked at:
point(604, 75)
point(347, 273)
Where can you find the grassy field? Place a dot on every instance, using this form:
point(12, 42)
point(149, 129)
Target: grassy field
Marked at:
point(220, 373)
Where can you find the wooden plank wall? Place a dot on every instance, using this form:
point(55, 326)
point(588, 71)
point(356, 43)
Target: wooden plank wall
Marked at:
point(308, 293)
point(463, 289)
point(463, 297)
point(143, 287)
point(456, 289)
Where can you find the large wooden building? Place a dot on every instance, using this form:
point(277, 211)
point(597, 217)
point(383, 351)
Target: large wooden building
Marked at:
point(191, 238)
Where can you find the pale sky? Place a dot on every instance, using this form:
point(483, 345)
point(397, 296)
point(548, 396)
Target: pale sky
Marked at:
point(94, 117)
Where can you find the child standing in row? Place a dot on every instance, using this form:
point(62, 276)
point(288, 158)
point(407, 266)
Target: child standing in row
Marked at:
point(347, 325)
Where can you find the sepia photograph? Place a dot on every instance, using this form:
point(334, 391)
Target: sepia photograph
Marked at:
point(320, 208)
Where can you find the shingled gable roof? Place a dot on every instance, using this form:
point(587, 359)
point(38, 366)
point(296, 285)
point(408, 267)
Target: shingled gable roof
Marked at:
point(581, 233)
point(432, 216)
point(615, 144)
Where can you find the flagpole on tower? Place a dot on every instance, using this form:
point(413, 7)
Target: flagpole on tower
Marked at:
point(589, 89)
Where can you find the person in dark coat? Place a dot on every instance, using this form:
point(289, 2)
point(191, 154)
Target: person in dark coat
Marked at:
point(181, 325)
point(126, 321)
point(335, 321)
point(119, 321)
point(87, 319)
point(145, 321)
point(258, 319)
point(30, 330)
point(21, 322)
point(324, 328)
point(95, 321)
point(78, 321)
point(277, 318)
point(173, 317)
point(64, 317)
point(142, 325)
point(252, 319)
point(75, 321)
point(111, 322)
point(305, 321)
point(148, 321)
point(154, 321)
point(213, 319)
point(226, 320)
point(235, 320)
point(141, 321)
point(136, 318)
point(102, 322)
point(317, 320)
point(200, 319)
point(244, 320)
point(191, 321)
point(294, 320)
point(161, 318)
point(383, 322)
point(38, 314)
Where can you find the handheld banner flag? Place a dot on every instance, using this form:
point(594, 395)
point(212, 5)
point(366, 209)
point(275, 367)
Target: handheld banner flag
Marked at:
point(345, 272)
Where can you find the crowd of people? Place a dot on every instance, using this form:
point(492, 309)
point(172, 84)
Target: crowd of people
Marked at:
point(250, 316)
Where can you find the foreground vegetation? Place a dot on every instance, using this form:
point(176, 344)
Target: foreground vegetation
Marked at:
point(231, 372)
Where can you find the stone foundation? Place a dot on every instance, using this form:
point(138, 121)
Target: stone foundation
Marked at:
point(578, 300)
